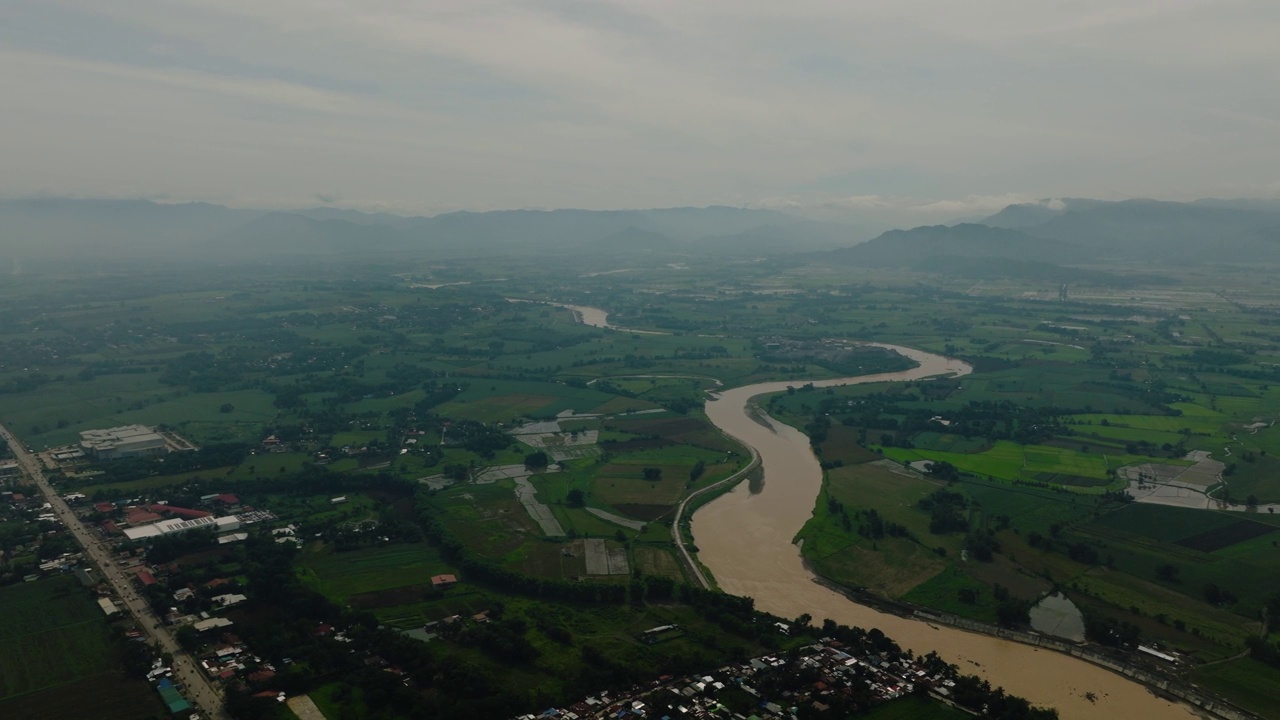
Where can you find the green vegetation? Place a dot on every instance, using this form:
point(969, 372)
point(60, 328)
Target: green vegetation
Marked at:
point(550, 455)
point(56, 652)
point(1248, 682)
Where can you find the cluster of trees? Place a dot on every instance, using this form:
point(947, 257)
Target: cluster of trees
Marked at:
point(899, 423)
point(948, 511)
point(870, 524)
point(218, 455)
point(1111, 632)
point(481, 439)
point(24, 383)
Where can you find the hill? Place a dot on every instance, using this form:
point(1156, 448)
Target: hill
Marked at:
point(905, 248)
point(1151, 230)
point(104, 230)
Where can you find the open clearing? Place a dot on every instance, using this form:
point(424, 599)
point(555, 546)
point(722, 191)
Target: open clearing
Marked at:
point(56, 656)
point(343, 575)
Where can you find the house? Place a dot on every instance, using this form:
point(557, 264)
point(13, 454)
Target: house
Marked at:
point(443, 582)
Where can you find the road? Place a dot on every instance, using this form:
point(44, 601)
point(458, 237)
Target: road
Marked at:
point(197, 689)
point(677, 536)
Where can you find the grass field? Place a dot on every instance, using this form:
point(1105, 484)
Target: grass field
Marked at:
point(262, 465)
point(55, 652)
point(1259, 478)
point(942, 592)
point(888, 566)
point(842, 445)
point(342, 575)
point(111, 400)
point(506, 400)
point(1248, 682)
point(110, 695)
point(1010, 461)
point(658, 561)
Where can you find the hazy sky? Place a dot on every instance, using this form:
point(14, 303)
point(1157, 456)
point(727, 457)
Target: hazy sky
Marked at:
point(426, 105)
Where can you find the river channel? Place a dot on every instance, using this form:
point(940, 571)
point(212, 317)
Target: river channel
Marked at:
point(745, 539)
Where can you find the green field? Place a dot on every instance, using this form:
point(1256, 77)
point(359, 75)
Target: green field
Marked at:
point(1011, 461)
point(56, 654)
point(506, 400)
point(1247, 682)
point(341, 576)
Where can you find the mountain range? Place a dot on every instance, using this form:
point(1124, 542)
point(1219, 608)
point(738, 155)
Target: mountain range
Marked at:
point(129, 229)
point(1070, 239)
point(1056, 239)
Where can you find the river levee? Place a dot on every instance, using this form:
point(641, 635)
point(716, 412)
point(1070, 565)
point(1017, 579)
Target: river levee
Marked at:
point(745, 539)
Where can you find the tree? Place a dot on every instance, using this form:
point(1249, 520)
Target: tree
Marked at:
point(652, 473)
point(226, 408)
point(188, 638)
point(576, 498)
point(537, 459)
point(943, 470)
point(1167, 572)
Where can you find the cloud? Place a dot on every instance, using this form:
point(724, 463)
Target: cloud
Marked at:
point(851, 107)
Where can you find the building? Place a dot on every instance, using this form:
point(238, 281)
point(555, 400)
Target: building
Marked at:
point(180, 511)
point(443, 582)
point(176, 525)
point(211, 624)
point(125, 441)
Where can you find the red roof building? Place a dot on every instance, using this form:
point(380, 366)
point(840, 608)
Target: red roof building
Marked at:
point(138, 516)
point(228, 499)
point(146, 578)
point(443, 582)
point(179, 511)
point(104, 507)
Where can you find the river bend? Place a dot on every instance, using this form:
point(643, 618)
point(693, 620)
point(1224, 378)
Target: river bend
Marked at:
point(746, 541)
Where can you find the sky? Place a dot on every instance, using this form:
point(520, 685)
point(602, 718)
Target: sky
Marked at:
point(842, 107)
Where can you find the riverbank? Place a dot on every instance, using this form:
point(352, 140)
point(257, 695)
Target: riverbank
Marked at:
point(745, 539)
point(1162, 686)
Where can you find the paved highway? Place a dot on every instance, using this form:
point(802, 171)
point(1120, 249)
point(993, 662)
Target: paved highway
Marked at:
point(196, 687)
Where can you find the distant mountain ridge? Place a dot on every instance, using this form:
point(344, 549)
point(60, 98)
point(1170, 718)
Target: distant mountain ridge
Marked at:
point(1153, 230)
point(128, 228)
point(896, 247)
point(1051, 240)
point(1026, 237)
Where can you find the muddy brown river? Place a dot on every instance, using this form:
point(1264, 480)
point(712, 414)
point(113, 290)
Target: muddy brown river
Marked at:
point(746, 541)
